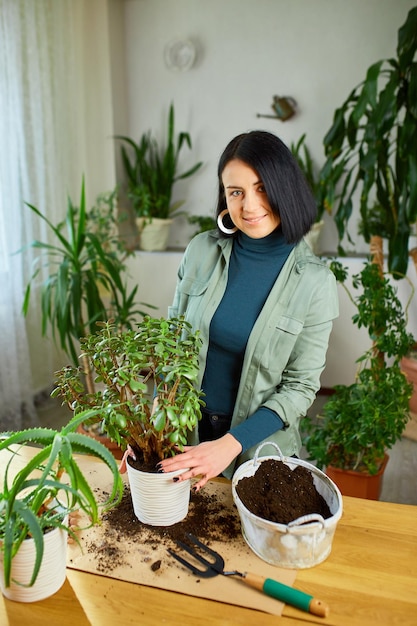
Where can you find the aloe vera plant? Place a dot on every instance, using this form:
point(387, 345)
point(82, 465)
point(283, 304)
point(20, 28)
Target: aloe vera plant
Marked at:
point(51, 485)
point(152, 171)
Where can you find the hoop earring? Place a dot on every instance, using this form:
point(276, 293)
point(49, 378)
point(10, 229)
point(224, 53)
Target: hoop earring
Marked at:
point(223, 228)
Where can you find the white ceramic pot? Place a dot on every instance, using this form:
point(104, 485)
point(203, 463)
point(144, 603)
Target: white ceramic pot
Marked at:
point(157, 499)
point(313, 236)
point(153, 233)
point(51, 575)
point(304, 542)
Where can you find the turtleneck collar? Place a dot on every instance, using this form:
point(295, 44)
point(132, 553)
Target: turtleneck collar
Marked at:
point(274, 242)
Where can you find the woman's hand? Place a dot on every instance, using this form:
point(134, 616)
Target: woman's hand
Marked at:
point(207, 459)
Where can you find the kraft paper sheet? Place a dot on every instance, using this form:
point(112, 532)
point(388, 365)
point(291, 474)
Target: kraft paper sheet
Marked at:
point(135, 559)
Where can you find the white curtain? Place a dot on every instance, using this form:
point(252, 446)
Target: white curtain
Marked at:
point(55, 127)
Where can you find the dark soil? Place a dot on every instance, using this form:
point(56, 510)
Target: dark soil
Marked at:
point(274, 493)
point(279, 494)
point(207, 519)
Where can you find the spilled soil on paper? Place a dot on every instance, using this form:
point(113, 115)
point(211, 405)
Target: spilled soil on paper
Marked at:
point(274, 492)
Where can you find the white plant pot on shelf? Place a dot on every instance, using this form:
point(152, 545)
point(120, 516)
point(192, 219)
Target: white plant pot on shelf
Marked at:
point(153, 233)
point(51, 575)
point(157, 499)
point(313, 236)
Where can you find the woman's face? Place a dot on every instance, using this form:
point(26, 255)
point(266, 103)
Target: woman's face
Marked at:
point(247, 201)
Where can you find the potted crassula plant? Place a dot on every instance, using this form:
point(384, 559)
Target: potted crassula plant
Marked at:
point(147, 400)
point(151, 171)
point(361, 421)
point(42, 484)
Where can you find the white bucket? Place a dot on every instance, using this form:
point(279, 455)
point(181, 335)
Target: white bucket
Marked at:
point(52, 572)
point(302, 543)
point(157, 499)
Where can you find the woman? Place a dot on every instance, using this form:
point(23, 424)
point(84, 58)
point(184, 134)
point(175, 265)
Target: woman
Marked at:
point(264, 304)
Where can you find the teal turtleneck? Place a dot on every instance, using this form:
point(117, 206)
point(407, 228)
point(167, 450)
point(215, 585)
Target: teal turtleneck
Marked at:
point(253, 270)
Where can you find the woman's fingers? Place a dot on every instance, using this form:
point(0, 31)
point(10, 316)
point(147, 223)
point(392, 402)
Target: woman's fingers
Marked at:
point(207, 459)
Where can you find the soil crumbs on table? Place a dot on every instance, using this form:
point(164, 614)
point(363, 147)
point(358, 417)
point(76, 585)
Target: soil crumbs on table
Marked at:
point(279, 494)
point(207, 519)
point(274, 492)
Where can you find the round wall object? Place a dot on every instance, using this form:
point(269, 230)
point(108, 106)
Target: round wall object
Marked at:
point(179, 55)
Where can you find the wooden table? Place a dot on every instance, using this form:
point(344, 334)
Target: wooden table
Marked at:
point(370, 578)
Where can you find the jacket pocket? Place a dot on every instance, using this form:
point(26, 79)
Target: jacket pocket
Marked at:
point(188, 295)
point(281, 344)
point(191, 287)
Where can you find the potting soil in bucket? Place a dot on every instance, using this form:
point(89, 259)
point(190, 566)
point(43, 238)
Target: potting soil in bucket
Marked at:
point(299, 542)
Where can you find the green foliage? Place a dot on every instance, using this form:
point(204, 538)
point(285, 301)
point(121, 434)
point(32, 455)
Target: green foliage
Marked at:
point(163, 352)
point(51, 485)
point(360, 421)
point(203, 222)
point(321, 181)
point(151, 171)
point(372, 140)
point(85, 282)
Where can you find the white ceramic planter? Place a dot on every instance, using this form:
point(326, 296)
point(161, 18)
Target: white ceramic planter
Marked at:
point(313, 236)
point(157, 499)
point(153, 233)
point(304, 542)
point(51, 575)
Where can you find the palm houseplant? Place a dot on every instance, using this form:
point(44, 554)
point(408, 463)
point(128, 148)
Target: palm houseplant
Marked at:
point(43, 483)
point(147, 401)
point(84, 277)
point(371, 155)
point(361, 421)
point(151, 172)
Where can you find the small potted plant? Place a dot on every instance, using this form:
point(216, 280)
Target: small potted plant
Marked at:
point(147, 401)
point(361, 421)
point(39, 492)
point(152, 172)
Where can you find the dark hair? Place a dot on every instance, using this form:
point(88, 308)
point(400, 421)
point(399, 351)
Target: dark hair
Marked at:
point(287, 190)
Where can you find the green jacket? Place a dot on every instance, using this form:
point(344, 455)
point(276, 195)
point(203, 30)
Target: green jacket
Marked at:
point(286, 350)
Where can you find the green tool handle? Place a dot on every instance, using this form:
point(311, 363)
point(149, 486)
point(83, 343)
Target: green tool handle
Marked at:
point(287, 594)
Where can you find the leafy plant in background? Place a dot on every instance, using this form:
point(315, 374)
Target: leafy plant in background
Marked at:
point(360, 421)
point(153, 421)
point(49, 487)
point(85, 280)
point(203, 222)
point(152, 171)
point(322, 182)
point(373, 141)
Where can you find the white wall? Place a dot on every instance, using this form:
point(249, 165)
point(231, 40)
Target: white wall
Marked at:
point(313, 50)
point(249, 50)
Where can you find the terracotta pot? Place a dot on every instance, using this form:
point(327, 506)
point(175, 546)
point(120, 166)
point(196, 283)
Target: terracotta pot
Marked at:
point(52, 572)
point(158, 500)
point(358, 484)
point(110, 445)
point(409, 367)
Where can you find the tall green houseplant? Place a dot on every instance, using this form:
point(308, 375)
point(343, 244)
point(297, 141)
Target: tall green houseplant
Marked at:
point(85, 281)
point(371, 151)
point(152, 171)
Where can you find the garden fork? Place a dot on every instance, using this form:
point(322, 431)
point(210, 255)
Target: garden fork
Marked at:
point(213, 564)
